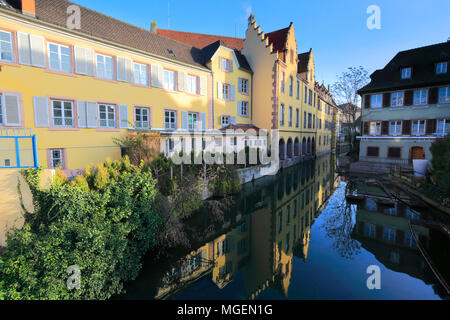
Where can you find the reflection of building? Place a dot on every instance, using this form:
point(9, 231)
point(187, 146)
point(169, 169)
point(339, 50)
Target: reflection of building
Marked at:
point(266, 228)
point(383, 229)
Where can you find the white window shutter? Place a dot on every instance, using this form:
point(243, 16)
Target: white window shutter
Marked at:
point(91, 114)
point(129, 70)
point(121, 69)
point(154, 75)
point(24, 48)
point(203, 89)
point(184, 120)
point(203, 120)
point(12, 109)
point(90, 62)
point(80, 60)
point(233, 120)
point(233, 92)
point(123, 116)
point(41, 118)
point(220, 90)
point(181, 81)
point(82, 114)
point(160, 76)
point(240, 85)
point(37, 45)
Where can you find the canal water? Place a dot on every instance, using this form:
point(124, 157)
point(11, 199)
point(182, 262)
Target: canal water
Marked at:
point(296, 236)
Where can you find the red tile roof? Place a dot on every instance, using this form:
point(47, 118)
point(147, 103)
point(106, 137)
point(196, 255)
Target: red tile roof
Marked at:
point(200, 40)
point(278, 39)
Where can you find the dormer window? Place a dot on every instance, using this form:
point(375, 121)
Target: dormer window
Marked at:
point(441, 67)
point(406, 73)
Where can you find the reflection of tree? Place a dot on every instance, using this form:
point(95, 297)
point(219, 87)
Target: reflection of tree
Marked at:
point(340, 221)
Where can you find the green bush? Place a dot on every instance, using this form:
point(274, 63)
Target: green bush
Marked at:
point(102, 222)
point(440, 151)
point(225, 182)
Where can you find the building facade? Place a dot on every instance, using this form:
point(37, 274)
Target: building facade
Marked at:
point(79, 89)
point(406, 106)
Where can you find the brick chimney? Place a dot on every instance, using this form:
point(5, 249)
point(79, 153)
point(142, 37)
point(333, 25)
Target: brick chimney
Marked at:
point(154, 27)
point(29, 7)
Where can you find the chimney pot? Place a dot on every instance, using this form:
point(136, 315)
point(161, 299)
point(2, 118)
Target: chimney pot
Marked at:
point(29, 7)
point(154, 27)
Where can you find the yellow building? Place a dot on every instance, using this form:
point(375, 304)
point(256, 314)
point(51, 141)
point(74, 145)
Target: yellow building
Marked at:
point(79, 86)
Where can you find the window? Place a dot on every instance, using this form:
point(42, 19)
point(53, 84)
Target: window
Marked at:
point(226, 91)
point(389, 234)
point(319, 105)
point(309, 120)
point(310, 97)
point(244, 109)
point(169, 80)
point(170, 119)
point(62, 113)
point(394, 152)
point(282, 81)
point(192, 84)
point(394, 257)
point(56, 158)
point(304, 120)
point(60, 57)
point(298, 90)
point(140, 74)
point(375, 128)
point(282, 115)
point(142, 118)
point(297, 118)
point(369, 230)
point(443, 126)
point(170, 145)
point(314, 121)
point(291, 85)
point(244, 86)
point(395, 128)
point(107, 116)
point(306, 93)
point(418, 127)
point(444, 95)
point(441, 67)
point(376, 100)
point(290, 116)
point(397, 99)
point(192, 121)
point(105, 67)
point(320, 123)
point(226, 64)
point(280, 222)
point(6, 46)
point(410, 240)
point(406, 73)
point(226, 121)
point(420, 97)
point(288, 215)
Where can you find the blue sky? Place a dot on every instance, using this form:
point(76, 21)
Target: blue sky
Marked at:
point(336, 30)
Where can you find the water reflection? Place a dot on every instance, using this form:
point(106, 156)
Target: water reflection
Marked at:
point(261, 247)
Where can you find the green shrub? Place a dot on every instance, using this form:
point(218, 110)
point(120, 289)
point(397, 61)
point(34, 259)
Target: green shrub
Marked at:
point(440, 151)
point(104, 231)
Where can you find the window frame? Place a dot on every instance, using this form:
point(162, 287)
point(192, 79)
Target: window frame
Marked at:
point(395, 96)
point(105, 58)
point(191, 82)
point(442, 63)
point(107, 113)
point(63, 117)
point(11, 46)
point(378, 103)
point(136, 109)
point(377, 127)
point(397, 132)
point(140, 66)
point(445, 127)
point(195, 117)
point(418, 132)
point(168, 85)
point(244, 106)
point(422, 100)
point(60, 56)
point(406, 73)
point(168, 114)
point(282, 114)
point(52, 159)
point(390, 156)
point(446, 96)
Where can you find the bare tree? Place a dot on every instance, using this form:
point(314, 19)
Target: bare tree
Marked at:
point(345, 92)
